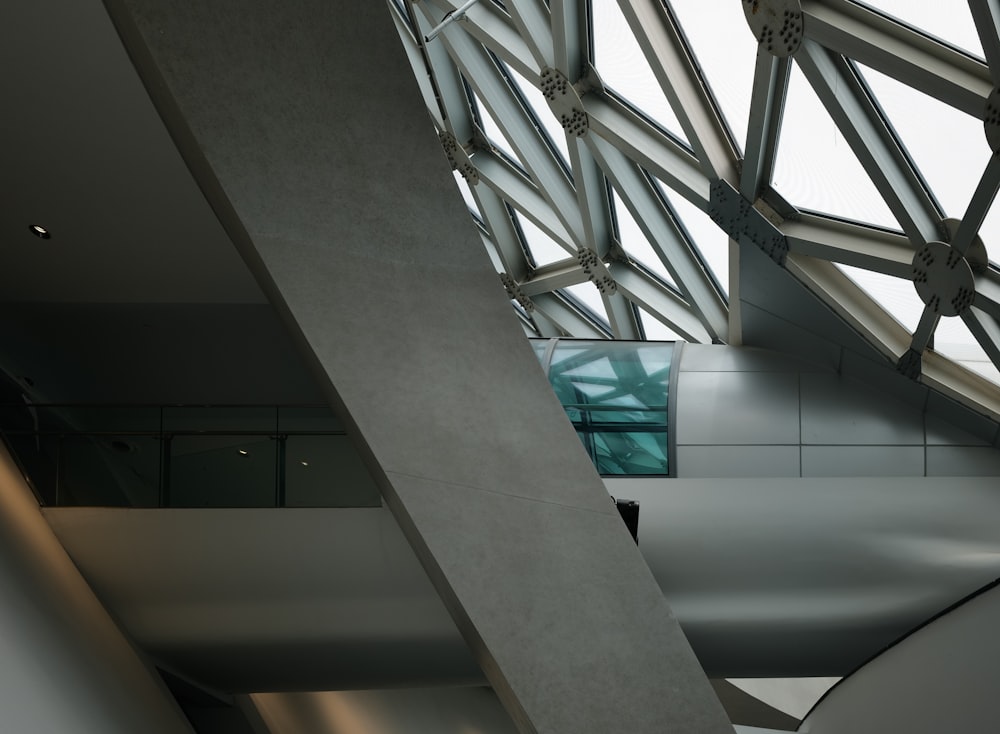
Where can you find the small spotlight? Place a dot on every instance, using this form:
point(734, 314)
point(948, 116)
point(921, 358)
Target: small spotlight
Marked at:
point(243, 452)
point(305, 463)
point(40, 231)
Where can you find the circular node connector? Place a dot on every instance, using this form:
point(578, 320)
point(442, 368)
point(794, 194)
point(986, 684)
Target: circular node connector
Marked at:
point(564, 101)
point(979, 259)
point(943, 279)
point(991, 120)
point(776, 24)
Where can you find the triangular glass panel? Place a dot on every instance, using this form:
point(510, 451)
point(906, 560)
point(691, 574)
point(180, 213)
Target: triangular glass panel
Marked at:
point(711, 243)
point(655, 329)
point(953, 339)
point(896, 295)
point(542, 113)
point(496, 134)
point(947, 145)
point(544, 250)
point(726, 50)
point(587, 296)
point(990, 233)
point(816, 169)
point(634, 241)
point(952, 23)
point(470, 201)
point(624, 69)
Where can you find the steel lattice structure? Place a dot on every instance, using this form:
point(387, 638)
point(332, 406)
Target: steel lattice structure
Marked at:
point(617, 161)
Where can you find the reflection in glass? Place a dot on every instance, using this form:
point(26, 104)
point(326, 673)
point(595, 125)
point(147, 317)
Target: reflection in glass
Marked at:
point(615, 395)
point(326, 471)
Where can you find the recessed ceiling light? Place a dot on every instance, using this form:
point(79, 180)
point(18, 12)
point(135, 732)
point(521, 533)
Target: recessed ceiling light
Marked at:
point(243, 452)
point(40, 231)
point(305, 463)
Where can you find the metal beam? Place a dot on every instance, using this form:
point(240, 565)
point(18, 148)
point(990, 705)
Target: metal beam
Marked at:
point(986, 14)
point(895, 50)
point(767, 100)
point(649, 147)
point(621, 316)
point(568, 318)
point(511, 185)
point(425, 78)
point(493, 28)
point(851, 303)
point(659, 301)
point(660, 227)
point(979, 206)
point(518, 125)
point(534, 22)
point(847, 102)
point(678, 74)
point(554, 276)
point(850, 244)
point(986, 329)
point(570, 37)
point(592, 197)
point(503, 234)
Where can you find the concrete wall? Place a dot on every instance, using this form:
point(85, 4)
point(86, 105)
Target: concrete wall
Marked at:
point(64, 664)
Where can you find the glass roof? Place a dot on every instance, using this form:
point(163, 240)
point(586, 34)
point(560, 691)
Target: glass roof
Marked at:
point(605, 133)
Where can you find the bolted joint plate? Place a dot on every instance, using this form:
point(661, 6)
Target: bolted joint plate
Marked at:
point(458, 158)
point(991, 120)
point(776, 24)
point(515, 294)
point(744, 222)
point(943, 279)
point(597, 272)
point(564, 101)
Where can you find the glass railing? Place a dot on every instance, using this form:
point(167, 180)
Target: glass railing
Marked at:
point(186, 456)
point(615, 395)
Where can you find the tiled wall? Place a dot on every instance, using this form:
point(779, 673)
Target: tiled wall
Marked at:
point(745, 412)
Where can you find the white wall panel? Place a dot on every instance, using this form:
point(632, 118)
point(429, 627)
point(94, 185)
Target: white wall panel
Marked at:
point(738, 461)
point(839, 411)
point(737, 408)
point(962, 461)
point(862, 461)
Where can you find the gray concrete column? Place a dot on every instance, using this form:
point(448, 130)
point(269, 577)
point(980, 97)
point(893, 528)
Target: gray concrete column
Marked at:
point(64, 665)
point(304, 123)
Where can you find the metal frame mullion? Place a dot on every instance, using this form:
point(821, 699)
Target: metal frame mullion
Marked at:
point(493, 28)
point(986, 14)
point(535, 153)
point(570, 37)
point(503, 233)
point(847, 102)
point(427, 80)
point(621, 316)
point(988, 293)
point(667, 240)
point(850, 244)
point(592, 197)
point(767, 101)
point(979, 206)
point(668, 161)
point(511, 185)
point(986, 329)
point(572, 321)
point(662, 43)
point(659, 301)
point(900, 52)
point(534, 22)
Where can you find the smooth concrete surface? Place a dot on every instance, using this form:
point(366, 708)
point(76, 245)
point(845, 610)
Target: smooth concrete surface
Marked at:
point(942, 678)
point(812, 576)
point(770, 577)
point(469, 710)
point(64, 664)
point(307, 131)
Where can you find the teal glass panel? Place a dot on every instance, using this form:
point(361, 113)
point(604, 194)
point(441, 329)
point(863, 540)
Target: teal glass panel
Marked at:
point(615, 394)
point(222, 471)
point(326, 471)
